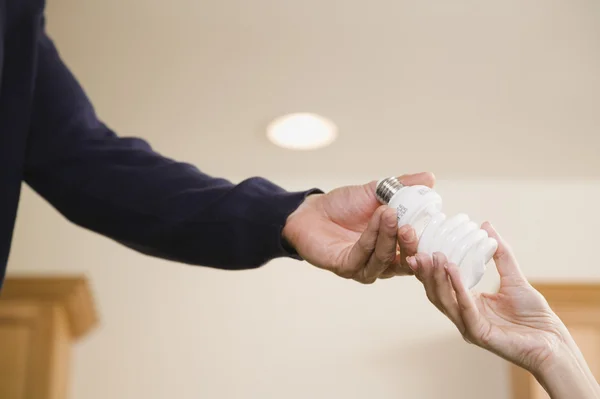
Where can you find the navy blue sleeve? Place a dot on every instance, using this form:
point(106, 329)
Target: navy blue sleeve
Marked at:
point(121, 188)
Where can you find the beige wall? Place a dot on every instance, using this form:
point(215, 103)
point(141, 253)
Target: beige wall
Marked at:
point(439, 82)
point(290, 330)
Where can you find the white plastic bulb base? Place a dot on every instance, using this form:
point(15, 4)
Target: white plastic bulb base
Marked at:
point(462, 241)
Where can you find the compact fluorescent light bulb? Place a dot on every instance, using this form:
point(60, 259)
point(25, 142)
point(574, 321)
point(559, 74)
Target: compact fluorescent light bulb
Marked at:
point(462, 241)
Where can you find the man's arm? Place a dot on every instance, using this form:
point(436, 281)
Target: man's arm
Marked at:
point(122, 189)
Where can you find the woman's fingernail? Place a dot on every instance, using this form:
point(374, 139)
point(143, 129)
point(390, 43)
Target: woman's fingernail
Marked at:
point(408, 234)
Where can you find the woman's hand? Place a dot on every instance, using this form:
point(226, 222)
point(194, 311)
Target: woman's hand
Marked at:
point(516, 323)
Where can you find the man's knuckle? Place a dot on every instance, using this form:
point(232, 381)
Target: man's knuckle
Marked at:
point(348, 271)
point(432, 298)
point(384, 258)
point(366, 245)
point(345, 273)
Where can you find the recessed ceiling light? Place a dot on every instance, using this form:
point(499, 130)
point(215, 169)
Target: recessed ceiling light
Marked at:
point(302, 131)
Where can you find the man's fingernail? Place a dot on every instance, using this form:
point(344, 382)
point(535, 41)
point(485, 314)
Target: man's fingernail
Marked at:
point(392, 221)
point(408, 234)
point(412, 262)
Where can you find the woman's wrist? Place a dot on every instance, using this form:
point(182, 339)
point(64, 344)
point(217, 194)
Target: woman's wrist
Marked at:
point(565, 374)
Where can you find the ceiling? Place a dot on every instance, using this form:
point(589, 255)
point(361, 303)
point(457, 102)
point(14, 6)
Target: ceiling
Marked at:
point(467, 89)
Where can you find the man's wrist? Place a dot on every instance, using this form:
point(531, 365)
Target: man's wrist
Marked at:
point(289, 232)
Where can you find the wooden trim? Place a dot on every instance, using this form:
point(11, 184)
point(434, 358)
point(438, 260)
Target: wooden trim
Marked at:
point(520, 382)
point(18, 313)
point(586, 294)
point(71, 293)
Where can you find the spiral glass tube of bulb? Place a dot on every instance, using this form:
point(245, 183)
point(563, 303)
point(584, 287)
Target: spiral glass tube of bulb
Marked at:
point(462, 241)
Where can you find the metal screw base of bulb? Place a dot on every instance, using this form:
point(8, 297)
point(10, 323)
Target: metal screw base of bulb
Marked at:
point(386, 188)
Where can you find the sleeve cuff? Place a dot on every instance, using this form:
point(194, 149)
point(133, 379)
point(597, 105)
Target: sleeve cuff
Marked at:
point(268, 206)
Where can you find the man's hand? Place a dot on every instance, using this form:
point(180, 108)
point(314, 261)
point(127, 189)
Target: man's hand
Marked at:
point(348, 232)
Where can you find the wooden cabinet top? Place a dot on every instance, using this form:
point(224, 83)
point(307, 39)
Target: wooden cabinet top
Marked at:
point(73, 293)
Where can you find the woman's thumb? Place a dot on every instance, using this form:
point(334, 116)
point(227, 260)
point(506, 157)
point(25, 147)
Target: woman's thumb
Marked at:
point(505, 260)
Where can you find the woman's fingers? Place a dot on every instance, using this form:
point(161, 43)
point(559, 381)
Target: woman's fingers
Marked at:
point(433, 273)
point(425, 275)
point(445, 292)
point(445, 289)
point(466, 304)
